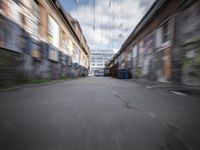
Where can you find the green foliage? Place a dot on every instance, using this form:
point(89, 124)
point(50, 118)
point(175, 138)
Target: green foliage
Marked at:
point(192, 65)
point(65, 78)
point(10, 72)
point(191, 42)
point(39, 81)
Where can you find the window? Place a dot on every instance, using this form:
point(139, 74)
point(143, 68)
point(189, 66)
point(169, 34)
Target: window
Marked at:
point(134, 51)
point(53, 54)
point(69, 61)
point(1, 4)
point(141, 52)
point(129, 56)
point(164, 35)
point(74, 52)
point(158, 37)
point(32, 21)
point(62, 40)
point(165, 32)
point(22, 19)
point(24, 13)
point(99, 64)
point(77, 55)
point(53, 32)
point(149, 44)
point(2, 33)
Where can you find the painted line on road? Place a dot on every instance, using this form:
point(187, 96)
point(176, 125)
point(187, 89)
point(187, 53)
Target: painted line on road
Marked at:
point(149, 87)
point(178, 93)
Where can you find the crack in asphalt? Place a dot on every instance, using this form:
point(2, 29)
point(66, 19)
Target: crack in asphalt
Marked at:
point(166, 123)
point(180, 136)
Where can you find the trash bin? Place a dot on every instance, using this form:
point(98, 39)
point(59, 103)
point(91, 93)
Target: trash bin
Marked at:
point(123, 73)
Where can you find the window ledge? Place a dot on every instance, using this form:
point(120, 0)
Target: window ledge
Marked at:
point(164, 46)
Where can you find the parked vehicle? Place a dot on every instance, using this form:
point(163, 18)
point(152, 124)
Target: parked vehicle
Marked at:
point(99, 72)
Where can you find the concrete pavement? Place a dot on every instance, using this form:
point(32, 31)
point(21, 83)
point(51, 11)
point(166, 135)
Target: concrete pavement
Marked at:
point(98, 114)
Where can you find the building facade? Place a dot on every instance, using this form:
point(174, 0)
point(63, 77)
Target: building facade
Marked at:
point(99, 58)
point(164, 46)
point(38, 40)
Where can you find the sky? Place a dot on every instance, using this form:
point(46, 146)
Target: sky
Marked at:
point(106, 24)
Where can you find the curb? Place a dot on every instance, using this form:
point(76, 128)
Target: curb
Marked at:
point(190, 90)
point(32, 85)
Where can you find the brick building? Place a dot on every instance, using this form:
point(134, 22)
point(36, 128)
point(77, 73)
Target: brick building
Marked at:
point(39, 40)
point(155, 48)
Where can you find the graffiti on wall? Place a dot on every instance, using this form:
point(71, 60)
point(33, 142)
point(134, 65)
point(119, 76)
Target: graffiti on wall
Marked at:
point(191, 63)
point(10, 35)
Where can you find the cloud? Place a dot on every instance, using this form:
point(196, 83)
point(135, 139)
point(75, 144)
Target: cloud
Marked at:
point(110, 26)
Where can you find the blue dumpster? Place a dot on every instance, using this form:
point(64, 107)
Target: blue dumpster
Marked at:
point(123, 73)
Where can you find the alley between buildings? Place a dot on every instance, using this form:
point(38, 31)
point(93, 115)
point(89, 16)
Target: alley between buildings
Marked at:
point(98, 113)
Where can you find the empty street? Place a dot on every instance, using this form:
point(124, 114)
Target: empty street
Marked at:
point(98, 113)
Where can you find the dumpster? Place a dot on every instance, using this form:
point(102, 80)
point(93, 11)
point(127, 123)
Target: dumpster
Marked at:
point(123, 74)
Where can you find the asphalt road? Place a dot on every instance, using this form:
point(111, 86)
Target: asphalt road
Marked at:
point(98, 113)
